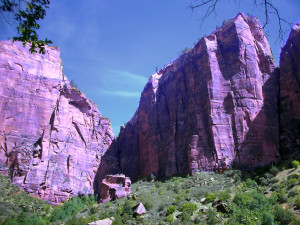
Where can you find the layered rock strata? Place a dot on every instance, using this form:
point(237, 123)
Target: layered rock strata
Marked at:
point(52, 137)
point(215, 106)
point(290, 93)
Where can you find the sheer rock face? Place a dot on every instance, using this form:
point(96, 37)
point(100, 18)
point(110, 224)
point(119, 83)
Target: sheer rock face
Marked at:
point(290, 92)
point(52, 137)
point(214, 106)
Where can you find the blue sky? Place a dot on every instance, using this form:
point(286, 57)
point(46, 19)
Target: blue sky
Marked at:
point(111, 47)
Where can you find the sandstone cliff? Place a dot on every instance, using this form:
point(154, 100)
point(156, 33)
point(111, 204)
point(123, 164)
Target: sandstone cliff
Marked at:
point(290, 93)
point(52, 137)
point(214, 106)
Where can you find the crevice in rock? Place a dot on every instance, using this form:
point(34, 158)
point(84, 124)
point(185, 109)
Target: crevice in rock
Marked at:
point(79, 132)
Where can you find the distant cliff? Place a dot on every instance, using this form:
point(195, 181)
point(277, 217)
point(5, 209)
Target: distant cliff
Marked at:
point(52, 137)
point(290, 93)
point(214, 106)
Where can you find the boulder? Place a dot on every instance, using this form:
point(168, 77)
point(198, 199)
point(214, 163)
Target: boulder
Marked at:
point(222, 207)
point(139, 209)
point(107, 221)
point(114, 187)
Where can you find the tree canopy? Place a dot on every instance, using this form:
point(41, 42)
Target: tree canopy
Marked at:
point(27, 14)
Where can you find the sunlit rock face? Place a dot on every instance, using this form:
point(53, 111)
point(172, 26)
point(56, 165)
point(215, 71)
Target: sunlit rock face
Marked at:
point(290, 92)
point(214, 106)
point(52, 137)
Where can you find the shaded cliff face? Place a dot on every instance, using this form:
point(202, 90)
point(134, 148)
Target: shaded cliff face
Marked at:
point(52, 137)
point(290, 92)
point(215, 105)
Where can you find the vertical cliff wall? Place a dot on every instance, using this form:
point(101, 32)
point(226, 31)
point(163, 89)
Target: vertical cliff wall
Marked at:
point(52, 137)
point(290, 93)
point(214, 106)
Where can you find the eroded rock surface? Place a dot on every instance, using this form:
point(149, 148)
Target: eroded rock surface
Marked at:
point(114, 187)
point(52, 137)
point(215, 106)
point(290, 92)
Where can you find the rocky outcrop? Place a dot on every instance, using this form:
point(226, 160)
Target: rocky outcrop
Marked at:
point(52, 137)
point(215, 106)
point(114, 187)
point(290, 93)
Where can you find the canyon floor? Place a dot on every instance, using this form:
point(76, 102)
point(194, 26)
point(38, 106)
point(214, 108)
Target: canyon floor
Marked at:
point(266, 196)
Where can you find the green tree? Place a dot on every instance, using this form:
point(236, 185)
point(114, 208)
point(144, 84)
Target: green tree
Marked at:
point(27, 14)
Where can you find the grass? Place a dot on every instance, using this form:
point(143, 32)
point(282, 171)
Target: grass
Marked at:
point(267, 196)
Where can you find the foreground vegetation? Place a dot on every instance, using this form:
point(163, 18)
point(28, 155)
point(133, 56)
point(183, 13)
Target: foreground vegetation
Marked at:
point(268, 196)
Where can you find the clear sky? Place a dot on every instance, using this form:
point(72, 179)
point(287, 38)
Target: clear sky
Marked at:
point(111, 47)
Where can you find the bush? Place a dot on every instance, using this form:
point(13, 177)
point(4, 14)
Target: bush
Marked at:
point(295, 164)
point(71, 207)
point(211, 217)
point(147, 202)
point(283, 216)
point(292, 182)
point(210, 197)
point(297, 203)
point(171, 209)
point(185, 217)
point(127, 207)
point(170, 219)
point(189, 208)
point(250, 183)
point(267, 218)
point(274, 180)
point(274, 170)
point(224, 195)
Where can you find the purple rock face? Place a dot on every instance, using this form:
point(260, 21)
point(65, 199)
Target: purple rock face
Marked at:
point(114, 187)
point(215, 106)
point(290, 92)
point(52, 137)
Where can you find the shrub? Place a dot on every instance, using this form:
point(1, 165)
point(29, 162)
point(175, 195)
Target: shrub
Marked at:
point(297, 203)
point(127, 207)
point(161, 207)
point(94, 210)
point(189, 208)
point(171, 209)
point(170, 219)
point(267, 218)
point(147, 202)
point(211, 217)
point(263, 181)
point(295, 164)
point(185, 217)
point(268, 175)
point(274, 180)
point(210, 197)
point(283, 216)
point(292, 182)
point(224, 195)
point(70, 208)
point(294, 192)
point(117, 221)
point(250, 183)
point(282, 198)
point(274, 170)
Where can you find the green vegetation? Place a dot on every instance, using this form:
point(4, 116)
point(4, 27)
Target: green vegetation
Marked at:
point(295, 164)
point(266, 196)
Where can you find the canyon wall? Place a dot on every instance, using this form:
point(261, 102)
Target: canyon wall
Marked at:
point(290, 93)
point(52, 137)
point(215, 106)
